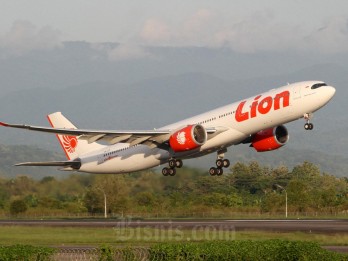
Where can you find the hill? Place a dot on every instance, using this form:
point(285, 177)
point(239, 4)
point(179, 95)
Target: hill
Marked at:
point(9, 155)
point(335, 165)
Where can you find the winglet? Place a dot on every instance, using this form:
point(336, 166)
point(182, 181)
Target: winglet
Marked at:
point(3, 124)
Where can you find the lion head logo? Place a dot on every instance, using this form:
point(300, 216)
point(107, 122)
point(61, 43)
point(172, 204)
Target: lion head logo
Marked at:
point(69, 143)
point(181, 137)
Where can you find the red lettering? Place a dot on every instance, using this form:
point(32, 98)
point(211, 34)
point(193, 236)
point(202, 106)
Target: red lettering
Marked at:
point(241, 116)
point(265, 105)
point(262, 107)
point(286, 100)
point(254, 107)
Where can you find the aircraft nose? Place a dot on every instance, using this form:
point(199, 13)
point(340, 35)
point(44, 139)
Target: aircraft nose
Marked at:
point(331, 91)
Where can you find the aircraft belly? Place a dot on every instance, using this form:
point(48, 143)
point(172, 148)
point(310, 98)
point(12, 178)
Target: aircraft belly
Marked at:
point(126, 162)
point(223, 140)
point(228, 137)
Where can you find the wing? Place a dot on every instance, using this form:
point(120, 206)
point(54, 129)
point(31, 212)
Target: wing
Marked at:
point(152, 138)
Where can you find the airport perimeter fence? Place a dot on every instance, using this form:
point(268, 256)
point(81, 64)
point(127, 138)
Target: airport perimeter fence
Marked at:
point(91, 254)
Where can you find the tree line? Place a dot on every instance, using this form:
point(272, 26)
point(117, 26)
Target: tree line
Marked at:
point(247, 187)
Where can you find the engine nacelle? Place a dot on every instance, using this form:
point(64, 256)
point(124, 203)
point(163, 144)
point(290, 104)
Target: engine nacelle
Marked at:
point(270, 139)
point(188, 138)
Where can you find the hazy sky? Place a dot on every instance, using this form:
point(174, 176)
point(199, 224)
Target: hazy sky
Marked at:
point(243, 25)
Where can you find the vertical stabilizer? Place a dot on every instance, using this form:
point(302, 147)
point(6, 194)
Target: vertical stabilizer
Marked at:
point(72, 145)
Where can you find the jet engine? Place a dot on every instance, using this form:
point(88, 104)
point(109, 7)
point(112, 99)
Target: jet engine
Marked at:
point(188, 138)
point(270, 139)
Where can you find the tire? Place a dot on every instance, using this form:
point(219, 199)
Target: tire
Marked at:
point(172, 163)
point(165, 171)
point(226, 163)
point(220, 172)
point(172, 172)
point(213, 171)
point(219, 163)
point(179, 163)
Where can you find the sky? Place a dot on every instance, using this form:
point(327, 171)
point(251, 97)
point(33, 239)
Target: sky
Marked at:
point(243, 25)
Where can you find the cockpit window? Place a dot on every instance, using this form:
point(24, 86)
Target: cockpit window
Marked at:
point(318, 85)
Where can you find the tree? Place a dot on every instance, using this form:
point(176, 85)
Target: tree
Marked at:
point(116, 189)
point(18, 206)
point(272, 202)
point(299, 194)
point(307, 171)
point(93, 201)
point(253, 178)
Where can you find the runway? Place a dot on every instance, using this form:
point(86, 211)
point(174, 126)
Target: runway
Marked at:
point(306, 226)
point(309, 226)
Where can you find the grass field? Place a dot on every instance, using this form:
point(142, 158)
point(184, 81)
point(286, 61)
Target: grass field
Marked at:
point(65, 236)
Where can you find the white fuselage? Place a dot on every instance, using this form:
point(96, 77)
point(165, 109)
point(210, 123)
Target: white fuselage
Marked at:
point(238, 121)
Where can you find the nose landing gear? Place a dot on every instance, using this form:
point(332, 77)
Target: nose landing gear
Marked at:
point(308, 125)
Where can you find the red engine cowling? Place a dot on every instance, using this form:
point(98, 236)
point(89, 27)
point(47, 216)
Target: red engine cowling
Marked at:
point(270, 139)
point(188, 138)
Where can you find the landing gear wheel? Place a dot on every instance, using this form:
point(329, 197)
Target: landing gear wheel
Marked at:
point(309, 126)
point(175, 163)
point(213, 171)
point(172, 172)
point(179, 163)
point(172, 163)
point(165, 171)
point(219, 163)
point(222, 163)
point(226, 163)
point(220, 171)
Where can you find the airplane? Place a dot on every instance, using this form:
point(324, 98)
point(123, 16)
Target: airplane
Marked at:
point(258, 121)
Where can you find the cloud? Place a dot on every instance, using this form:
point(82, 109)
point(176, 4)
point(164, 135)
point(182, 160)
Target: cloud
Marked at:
point(24, 37)
point(127, 52)
point(262, 30)
point(190, 31)
point(263, 33)
point(196, 29)
point(199, 20)
point(155, 31)
point(258, 32)
point(330, 38)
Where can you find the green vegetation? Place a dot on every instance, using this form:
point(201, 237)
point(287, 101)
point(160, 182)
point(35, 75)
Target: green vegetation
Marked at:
point(48, 236)
point(243, 250)
point(208, 250)
point(18, 206)
point(248, 190)
point(25, 252)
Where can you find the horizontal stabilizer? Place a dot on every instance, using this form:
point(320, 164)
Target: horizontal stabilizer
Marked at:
point(73, 164)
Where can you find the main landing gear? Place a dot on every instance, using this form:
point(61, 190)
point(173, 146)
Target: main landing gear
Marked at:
point(220, 164)
point(173, 164)
point(308, 125)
